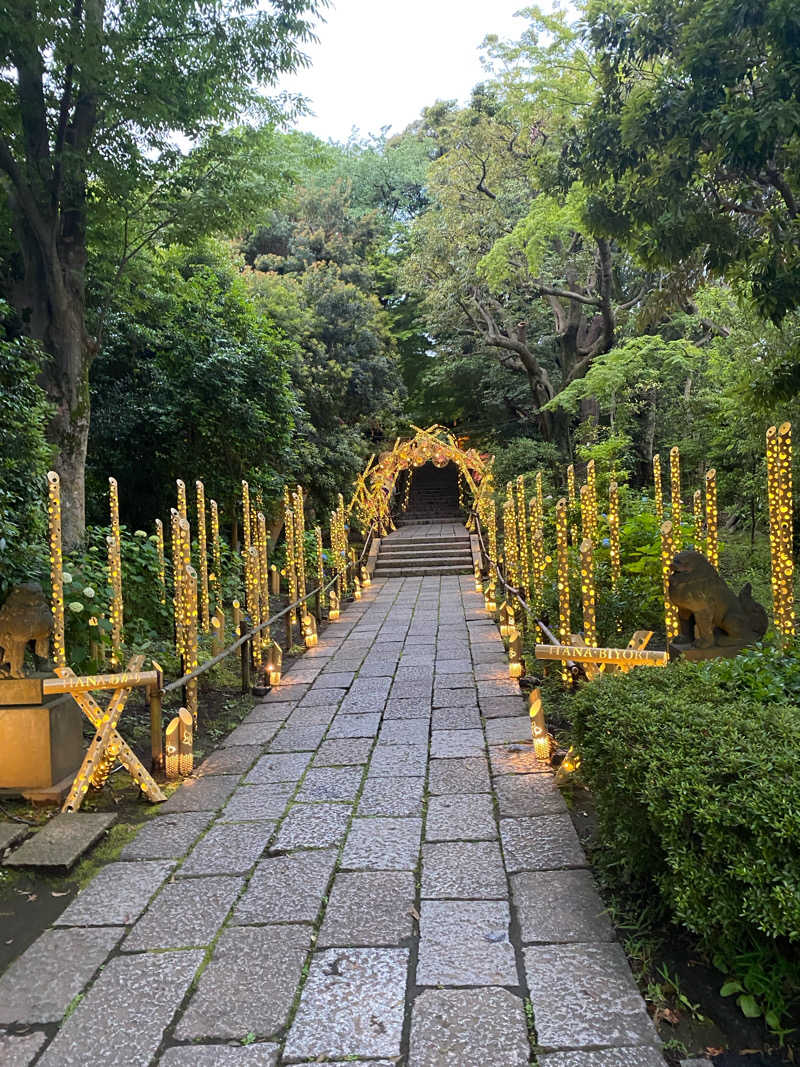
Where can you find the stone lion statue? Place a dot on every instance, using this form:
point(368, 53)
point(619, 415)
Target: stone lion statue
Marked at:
point(24, 617)
point(713, 620)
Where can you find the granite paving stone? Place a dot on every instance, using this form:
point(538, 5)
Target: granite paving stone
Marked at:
point(460, 817)
point(313, 826)
point(469, 775)
point(528, 794)
point(117, 895)
point(252, 733)
point(167, 838)
point(298, 738)
point(286, 889)
point(468, 870)
point(279, 767)
point(507, 687)
point(233, 760)
point(407, 709)
point(39, 986)
point(516, 759)
point(249, 985)
point(256, 803)
point(377, 668)
point(559, 907)
point(20, 1050)
point(186, 913)
point(454, 698)
point(61, 841)
point(122, 1018)
point(383, 844)
point(449, 744)
point(454, 666)
point(319, 715)
point(542, 843)
point(260, 1054)
point(331, 678)
point(404, 732)
point(228, 848)
point(200, 794)
point(468, 1028)
point(343, 751)
point(452, 680)
point(584, 996)
point(10, 834)
point(354, 726)
point(352, 1005)
point(326, 697)
point(465, 942)
point(392, 796)
point(410, 691)
point(284, 693)
point(271, 712)
point(612, 1057)
point(461, 717)
point(331, 783)
point(508, 731)
point(391, 761)
point(368, 908)
point(301, 675)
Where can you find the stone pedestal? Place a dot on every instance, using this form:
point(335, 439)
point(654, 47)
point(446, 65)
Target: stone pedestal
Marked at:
point(41, 741)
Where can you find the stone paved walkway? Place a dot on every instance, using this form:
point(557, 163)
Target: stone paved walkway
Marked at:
point(368, 870)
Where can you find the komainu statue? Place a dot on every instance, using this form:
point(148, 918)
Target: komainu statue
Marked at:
point(713, 620)
point(24, 617)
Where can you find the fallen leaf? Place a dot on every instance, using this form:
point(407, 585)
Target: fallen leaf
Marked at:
point(414, 913)
point(53, 893)
point(33, 896)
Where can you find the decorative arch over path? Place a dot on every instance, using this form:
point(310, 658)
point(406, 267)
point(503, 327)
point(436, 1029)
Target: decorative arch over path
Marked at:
point(375, 486)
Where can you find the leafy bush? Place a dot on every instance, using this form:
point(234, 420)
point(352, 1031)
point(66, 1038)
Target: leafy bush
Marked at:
point(695, 776)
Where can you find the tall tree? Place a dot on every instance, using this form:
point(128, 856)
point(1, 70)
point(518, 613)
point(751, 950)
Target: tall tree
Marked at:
point(90, 92)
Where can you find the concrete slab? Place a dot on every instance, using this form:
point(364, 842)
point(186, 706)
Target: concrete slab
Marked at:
point(286, 889)
point(133, 1001)
point(40, 985)
point(468, 1028)
point(352, 1005)
point(117, 895)
point(584, 996)
point(368, 908)
point(11, 833)
point(62, 841)
point(464, 943)
point(249, 985)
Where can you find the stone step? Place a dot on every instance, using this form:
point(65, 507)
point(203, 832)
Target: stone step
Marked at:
point(440, 520)
point(421, 540)
point(426, 561)
point(418, 571)
point(425, 550)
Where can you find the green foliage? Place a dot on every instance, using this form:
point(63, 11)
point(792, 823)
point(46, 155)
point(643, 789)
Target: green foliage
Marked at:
point(24, 460)
point(523, 455)
point(693, 770)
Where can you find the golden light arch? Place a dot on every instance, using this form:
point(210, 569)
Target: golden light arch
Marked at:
point(375, 486)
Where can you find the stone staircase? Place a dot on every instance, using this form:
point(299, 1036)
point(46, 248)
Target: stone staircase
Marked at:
point(412, 554)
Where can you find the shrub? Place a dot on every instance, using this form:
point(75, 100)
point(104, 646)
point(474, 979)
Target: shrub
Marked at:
point(695, 776)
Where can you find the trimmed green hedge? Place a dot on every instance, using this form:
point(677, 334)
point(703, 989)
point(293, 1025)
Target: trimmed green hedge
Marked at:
point(695, 772)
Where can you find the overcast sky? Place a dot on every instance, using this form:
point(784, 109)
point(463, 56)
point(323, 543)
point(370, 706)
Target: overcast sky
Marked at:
point(379, 62)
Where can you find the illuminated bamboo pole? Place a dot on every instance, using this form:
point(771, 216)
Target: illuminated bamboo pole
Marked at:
point(659, 491)
point(253, 601)
point(779, 493)
point(186, 723)
point(697, 515)
point(510, 549)
point(538, 559)
point(573, 500)
point(246, 519)
point(588, 595)
point(56, 568)
point(202, 547)
point(216, 556)
point(613, 538)
point(300, 541)
point(522, 539)
point(320, 561)
point(591, 483)
point(675, 487)
point(562, 558)
point(541, 738)
point(712, 519)
point(162, 566)
point(182, 504)
point(190, 624)
point(115, 572)
point(671, 621)
point(291, 566)
point(586, 512)
point(177, 583)
point(263, 578)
